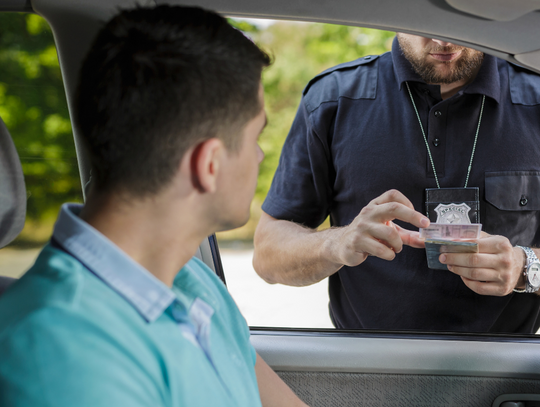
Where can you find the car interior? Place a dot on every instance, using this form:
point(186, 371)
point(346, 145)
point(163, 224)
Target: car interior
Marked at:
point(12, 195)
point(327, 366)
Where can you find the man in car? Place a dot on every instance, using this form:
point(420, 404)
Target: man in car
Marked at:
point(374, 140)
point(170, 107)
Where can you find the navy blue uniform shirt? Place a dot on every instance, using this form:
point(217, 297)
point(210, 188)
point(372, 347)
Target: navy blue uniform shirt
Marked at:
point(356, 135)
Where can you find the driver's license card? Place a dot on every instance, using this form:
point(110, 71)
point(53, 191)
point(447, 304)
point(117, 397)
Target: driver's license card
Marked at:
point(451, 231)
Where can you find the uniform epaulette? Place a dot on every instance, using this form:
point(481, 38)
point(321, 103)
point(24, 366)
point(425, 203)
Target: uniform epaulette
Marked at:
point(524, 85)
point(363, 84)
point(341, 67)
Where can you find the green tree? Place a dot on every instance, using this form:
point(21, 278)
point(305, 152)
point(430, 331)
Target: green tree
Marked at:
point(33, 106)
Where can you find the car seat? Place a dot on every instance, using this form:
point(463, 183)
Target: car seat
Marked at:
point(12, 195)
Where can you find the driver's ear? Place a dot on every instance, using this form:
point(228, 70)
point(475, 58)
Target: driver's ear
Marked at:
point(205, 165)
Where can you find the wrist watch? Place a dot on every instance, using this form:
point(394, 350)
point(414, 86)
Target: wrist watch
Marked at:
point(531, 272)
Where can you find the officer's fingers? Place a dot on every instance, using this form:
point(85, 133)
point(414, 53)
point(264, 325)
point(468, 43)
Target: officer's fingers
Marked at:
point(388, 235)
point(392, 195)
point(379, 249)
point(395, 210)
point(486, 288)
point(362, 233)
point(409, 237)
point(470, 260)
point(494, 245)
point(476, 274)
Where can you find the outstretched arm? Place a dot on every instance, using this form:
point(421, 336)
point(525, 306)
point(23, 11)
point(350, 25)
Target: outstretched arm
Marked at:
point(288, 253)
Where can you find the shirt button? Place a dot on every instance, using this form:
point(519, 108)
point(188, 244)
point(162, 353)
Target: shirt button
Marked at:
point(436, 142)
point(368, 57)
point(426, 91)
point(523, 201)
point(438, 113)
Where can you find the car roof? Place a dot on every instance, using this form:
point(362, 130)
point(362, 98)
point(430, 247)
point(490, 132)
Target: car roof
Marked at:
point(504, 28)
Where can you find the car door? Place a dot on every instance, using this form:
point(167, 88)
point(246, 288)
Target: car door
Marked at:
point(372, 368)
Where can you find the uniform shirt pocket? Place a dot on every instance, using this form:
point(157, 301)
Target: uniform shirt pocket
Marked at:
point(513, 205)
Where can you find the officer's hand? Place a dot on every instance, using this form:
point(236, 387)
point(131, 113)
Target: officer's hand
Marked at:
point(372, 232)
point(495, 270)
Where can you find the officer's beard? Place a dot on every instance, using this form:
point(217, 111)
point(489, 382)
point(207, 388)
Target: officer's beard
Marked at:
point(440, 72)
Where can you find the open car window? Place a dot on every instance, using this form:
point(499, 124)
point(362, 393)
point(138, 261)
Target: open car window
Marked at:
point(303, 50)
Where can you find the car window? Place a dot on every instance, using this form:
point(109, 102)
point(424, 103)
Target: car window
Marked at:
point(318, 47)
point(34, 109)
point(303, 50)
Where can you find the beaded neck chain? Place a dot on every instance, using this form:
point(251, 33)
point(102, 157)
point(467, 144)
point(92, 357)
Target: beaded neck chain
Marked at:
point(427, 144)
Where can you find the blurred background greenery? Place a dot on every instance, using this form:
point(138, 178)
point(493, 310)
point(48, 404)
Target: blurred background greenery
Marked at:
point(33, 103)
point(33, 107)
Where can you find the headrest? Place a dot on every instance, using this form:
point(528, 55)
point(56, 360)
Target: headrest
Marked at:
point(12, 189)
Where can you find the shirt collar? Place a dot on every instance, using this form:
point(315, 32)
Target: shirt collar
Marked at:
point(487, 81)
point(402, 67)
point(148, 295)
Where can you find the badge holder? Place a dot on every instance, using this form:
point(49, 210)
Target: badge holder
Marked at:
point(453, 205)
point(454, 213)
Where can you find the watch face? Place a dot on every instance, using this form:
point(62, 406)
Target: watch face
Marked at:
point(533, 274)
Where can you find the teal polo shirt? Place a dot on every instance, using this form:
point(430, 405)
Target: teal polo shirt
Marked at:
point(88, 326)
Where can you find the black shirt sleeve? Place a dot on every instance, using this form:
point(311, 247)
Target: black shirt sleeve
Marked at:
point(302, 187)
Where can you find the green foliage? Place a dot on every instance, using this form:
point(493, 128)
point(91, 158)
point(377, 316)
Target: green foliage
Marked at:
point(33, 106)
point(301, 51)
point(33, 103)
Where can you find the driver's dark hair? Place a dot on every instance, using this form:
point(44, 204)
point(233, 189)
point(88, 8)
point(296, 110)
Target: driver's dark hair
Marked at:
point(158, 81)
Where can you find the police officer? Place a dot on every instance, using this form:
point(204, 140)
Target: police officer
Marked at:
point(381, 141)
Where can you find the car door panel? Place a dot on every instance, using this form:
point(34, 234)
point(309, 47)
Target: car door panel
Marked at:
point(343, 370)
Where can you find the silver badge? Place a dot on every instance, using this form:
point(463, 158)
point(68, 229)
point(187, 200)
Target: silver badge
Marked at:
point(453, 213)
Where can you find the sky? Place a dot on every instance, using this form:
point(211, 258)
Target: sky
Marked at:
point(258, 22)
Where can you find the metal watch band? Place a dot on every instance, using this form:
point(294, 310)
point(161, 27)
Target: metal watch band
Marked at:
point(531, 258)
